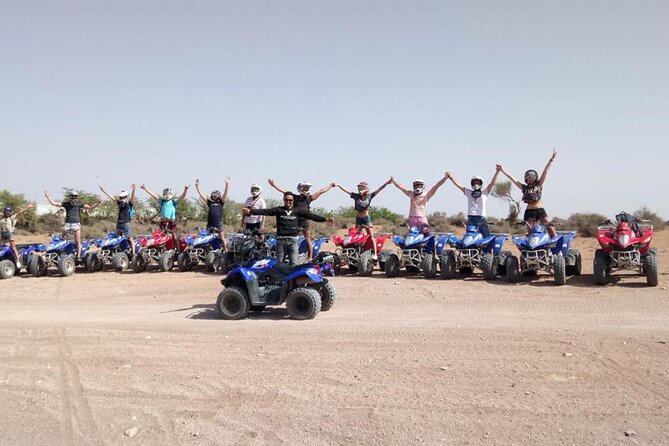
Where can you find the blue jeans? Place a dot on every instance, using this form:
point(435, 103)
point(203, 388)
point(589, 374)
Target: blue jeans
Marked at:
point(287, 246)
point(481, 222)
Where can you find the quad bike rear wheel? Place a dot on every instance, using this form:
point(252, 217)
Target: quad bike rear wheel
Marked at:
point(511, 265)
point(92, 262)
point(184, 261)
point(573, 266)
point(211, 261)
point(392, 267)
point(166, 260)
point(489, 265)
point(365, 264)
point(303, 303)
point(139, 263)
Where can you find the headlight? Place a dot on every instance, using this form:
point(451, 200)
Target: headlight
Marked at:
point(623, 240)
point(468, 240)
point(534, 242)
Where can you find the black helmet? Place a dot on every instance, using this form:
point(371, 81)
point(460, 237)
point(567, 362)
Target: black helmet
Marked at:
point(531, 174)
point(7, 210)
point(215, 195)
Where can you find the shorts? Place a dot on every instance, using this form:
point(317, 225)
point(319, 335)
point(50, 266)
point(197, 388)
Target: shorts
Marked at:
point(7, 236)
point(215, 229)
point(168, 226)
point(70, 228)
point(418, 221)
point(124, 229)
point(253, 226)
point(363, 221)
point(537, 214)
point(303, 224)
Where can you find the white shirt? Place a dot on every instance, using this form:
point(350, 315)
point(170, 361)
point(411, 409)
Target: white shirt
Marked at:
point(254, 203)
point(476, 206)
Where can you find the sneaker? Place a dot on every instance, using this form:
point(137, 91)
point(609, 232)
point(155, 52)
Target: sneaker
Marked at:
point(375, 257)
point(18, 264)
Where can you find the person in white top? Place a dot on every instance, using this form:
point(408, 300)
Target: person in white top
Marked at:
point(255, 201)
point(476, 200)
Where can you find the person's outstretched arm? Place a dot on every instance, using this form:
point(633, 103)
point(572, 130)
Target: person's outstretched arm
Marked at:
point(346, 191)
point(406, 191)
point(111, 197)
point(270, 211)
point(315, 217)
point(383, 186)
point(149, 192)
point(457, 184)
point(548, 165)
point(23, 209)
point(132, 194)
point(511, 177)
point(318, 193)
point(52, 202)
point(489, 187)
point(225, 191)
point(90, 207)
point(184, 193)
point(436, 187)
point(199, 191)
point(274, 185)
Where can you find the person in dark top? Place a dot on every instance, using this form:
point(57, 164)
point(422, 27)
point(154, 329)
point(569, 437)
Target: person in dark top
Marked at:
point(73, 209)
point(532, 189)
point(215, 204)
point(125, 206)
point(287, 227)
point(303, 203)
point(361, 202)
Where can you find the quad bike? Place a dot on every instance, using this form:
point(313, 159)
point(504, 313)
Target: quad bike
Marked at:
point(415, 252)
point(303, 249)
point(59, 253)
point(7, 262)
point(204, 247)
point(264, 282)
point(243, 247)
point(157, 248)
point(113, 250)
point(474, 251)
point(539, 251)
point(355, 250)
point(626, 246)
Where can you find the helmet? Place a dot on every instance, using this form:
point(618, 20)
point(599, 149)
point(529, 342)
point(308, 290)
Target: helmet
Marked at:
point(74, 193)
point(418, 186)
point(531, 174)
point(7, 210)
point(123, 194)
point(255, 190)
point(215, 195)
point(363, 185)
point(474, 179)
point(167, 193)
point(304, 186)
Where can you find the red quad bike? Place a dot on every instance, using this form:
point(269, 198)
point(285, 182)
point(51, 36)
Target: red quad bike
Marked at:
point(625, 245)
point(355, 249)
point(158, 248)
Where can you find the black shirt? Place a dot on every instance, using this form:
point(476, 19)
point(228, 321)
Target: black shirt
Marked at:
point(286, 219)
point(302, 202)
point(123, 211)
point(362, 204)
point(215, 214)
point(72, 211)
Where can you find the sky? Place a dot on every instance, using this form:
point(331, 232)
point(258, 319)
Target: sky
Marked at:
point(164, 92)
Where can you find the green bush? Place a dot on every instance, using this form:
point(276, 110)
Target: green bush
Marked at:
point(28, 219)
point(646, 214)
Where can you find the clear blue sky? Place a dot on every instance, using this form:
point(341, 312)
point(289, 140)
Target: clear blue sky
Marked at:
point(163, 92)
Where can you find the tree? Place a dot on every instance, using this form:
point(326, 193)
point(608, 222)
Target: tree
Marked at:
point(28, 219)
point(502, 190)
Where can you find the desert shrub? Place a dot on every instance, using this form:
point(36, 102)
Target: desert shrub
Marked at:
point(28, 219)
point(646, 214)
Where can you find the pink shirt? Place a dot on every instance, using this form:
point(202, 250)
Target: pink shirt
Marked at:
point(418, 203)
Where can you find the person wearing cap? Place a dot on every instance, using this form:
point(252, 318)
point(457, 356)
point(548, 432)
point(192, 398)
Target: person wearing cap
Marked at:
point(73, 209)
point(361, 202)
point(476, 200)
point(418, 200)
point(168, 210)
point(7, 224)
point(287, 226)
point(255, 201)
point(532, 189)
point(125, 206)
point(303, 203)
point(215, 204)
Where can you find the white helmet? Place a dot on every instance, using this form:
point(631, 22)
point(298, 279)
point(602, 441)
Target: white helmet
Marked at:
point(418, 186)
point(476, 178)
point(255, 190)
point(304, 186)
point(123, 194)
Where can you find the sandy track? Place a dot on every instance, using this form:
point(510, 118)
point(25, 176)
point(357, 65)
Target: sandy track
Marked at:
point(396, 361)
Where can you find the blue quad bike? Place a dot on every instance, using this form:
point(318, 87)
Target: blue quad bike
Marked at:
point(540, 252)
point(114, 250)
point(204, 248)
point(474, 251)
point(417, 251)
point(302, 248)
point(268, 282)
point(243, 247)
point(59, 252)
point(8, 264)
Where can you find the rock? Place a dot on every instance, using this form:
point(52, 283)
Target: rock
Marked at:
point(630, 433)
point(664, 288)
point(131, 432)
point(567, 355)
point(396, 283)
point(148, 337)
point(443, 368)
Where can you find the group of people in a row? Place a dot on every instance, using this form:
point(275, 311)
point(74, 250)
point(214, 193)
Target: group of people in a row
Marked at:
point(294, 216)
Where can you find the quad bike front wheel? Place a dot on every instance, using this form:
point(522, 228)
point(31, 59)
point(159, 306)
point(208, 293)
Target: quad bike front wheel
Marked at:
point(447, 265)
point(211, 261)
point(429, 265)
point(7, 269)
point(328, 295)
point(37, 265)
point(365, 264)
point(139, 263)
point(92, 262)
point(573, 266)
point(166, 260)
point(121, 261)
point(233, 303)
point(512, 266)
point(559, 270)
point(184, 261)
point(66, 265)
point(489, 265)
point(392, 267)
point(599, 266)
point(650, 267)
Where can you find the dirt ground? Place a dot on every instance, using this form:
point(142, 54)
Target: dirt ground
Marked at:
point(123, 358)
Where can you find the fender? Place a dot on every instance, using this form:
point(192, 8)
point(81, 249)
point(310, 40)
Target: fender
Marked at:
point(318, 244)
point(381, 240)
point(499, 244)
point(442, 241)
point(398, 240)
point(311, 272)
point(6, 251)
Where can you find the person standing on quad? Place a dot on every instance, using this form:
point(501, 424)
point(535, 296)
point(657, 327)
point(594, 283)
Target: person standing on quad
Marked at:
point(362, 200)
point(215, 204)
point(125, 211)
point(532, 189)
point(168, 211)
point(73, 209)
point(7, 223)
point(287, 226)
point(418, 201)
point(255, 201)
point(476, 200)
point(303, 203)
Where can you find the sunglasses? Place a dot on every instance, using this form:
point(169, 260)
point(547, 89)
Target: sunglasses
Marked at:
point(288, 200)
